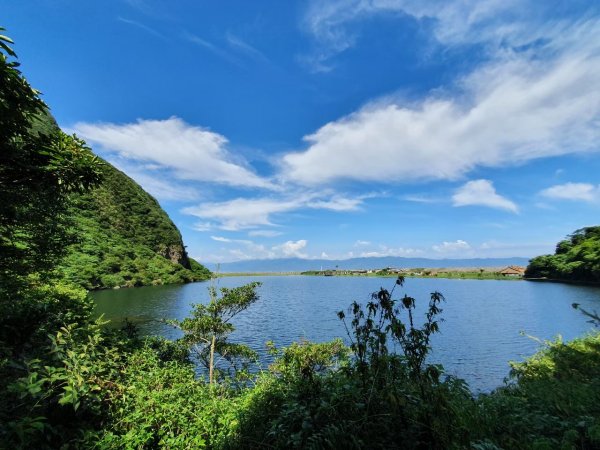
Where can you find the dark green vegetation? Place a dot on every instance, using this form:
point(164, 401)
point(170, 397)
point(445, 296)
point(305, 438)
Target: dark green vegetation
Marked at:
point(67, 382)
point(576, 259)
point(125, 239)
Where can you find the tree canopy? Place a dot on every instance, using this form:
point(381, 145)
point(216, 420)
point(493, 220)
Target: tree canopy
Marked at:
point(40, 167)
point(576, 258)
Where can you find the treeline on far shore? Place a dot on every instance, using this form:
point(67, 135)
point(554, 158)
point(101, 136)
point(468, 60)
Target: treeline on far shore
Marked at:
point(487, 273)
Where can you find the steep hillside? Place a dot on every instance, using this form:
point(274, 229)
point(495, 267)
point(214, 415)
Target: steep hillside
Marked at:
point(576, 259)
point(125, 239)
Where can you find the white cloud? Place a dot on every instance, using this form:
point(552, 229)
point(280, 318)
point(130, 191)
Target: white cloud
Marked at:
point(249, 250)
point(459, 246)
point(333, 24)
point(220, 239)
point(573, 191)
point(241, 213)
point(156, 183)
point(293, 248)
point(519, 106)
point(203, 226)
point(482, 193)
point(245, 213)
point(191, 152)
point(243, 249)
point(360, 243)
point(337, 203)
point(264, 233)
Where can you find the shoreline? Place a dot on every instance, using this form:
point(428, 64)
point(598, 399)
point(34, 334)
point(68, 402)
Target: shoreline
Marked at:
point(470, 273)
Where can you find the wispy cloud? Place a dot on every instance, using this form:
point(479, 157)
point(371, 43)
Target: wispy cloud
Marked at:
point(421, 199)
point(214, 49)
point(190, 152)
point(141, 26)
point(264, 233)
point(516, 108)
point(248, 213)
point(334, 25)
point(482, 193)
point(573, 191)
point(242, 46)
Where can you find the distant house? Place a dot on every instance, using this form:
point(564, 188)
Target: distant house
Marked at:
point(513, 271)
point(357, 272)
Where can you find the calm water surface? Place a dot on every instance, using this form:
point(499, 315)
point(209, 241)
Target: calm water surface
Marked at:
point(482, 329)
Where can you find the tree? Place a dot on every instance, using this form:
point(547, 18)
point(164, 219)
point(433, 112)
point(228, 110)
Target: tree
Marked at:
point(576, 259)
point(39, 167)
point(206, 332)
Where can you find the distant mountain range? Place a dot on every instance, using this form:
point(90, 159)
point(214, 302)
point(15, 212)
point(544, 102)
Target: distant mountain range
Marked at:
point(300, 265)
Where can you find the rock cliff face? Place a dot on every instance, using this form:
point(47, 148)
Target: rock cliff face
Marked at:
point(176, 254)
point(124, 238)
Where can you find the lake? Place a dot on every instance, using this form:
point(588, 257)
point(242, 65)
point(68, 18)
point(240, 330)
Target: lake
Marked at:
point(484, 320)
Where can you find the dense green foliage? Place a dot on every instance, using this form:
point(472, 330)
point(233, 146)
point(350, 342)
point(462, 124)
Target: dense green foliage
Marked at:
point(125, 239)
point(68, 382)
point(554, 404)
point(576, 259)
point(40, 168)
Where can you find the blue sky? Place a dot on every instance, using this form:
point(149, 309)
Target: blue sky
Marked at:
point(442, 129)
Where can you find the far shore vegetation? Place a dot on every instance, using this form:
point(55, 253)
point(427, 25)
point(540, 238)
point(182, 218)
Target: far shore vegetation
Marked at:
point(576, 259)
point(467, 273)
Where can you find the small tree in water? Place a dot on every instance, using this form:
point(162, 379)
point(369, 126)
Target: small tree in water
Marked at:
point(206, 332)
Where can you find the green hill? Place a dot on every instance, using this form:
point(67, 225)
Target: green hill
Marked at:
point(125, 239)
point(120, 235)
point(576, 259)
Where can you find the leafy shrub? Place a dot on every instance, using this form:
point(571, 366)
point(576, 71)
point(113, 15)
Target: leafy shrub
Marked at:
point(162, 405)
point(555, 402)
